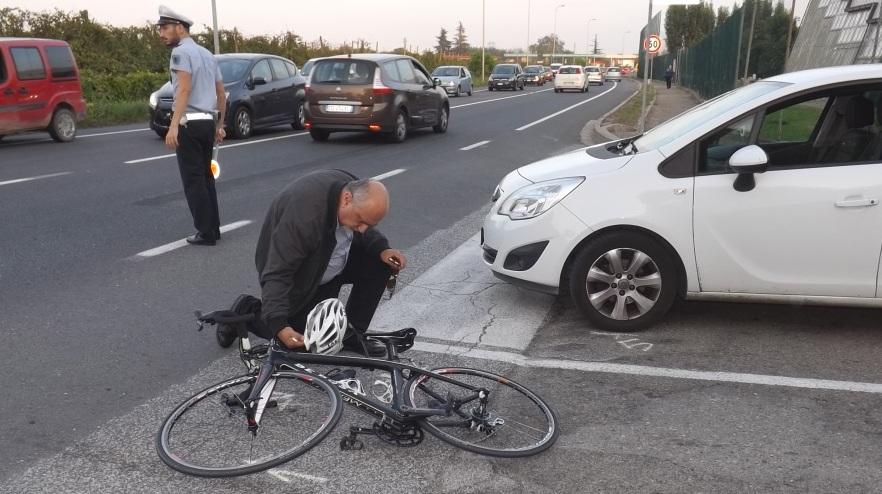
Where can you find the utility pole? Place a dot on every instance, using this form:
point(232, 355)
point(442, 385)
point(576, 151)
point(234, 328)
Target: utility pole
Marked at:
point(554, 41)
point(528, 32)
point(216, 34)
point(738, 55)
point(878, 27)
point(645, 71)
point(750, 40)
point(483, 2)
point(790, 32)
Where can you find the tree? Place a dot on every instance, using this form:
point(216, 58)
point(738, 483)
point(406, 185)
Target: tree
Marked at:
point(460, 42)
point(545, 45)
point(686, 25)
point(443, 45)
point(596, 50)
point(475, 64)
point(722, 15)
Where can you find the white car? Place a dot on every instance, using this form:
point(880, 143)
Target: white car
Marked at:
point(614, 74)
point(767, 193)
point(595, 75)
point(571, 77)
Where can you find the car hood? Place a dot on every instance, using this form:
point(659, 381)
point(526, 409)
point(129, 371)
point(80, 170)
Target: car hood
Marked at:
point(166, 90)
point(575, 164)
point(447, 78)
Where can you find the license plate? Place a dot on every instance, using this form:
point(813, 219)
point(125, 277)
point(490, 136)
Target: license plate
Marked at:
point(500, 84)
point(339, 108)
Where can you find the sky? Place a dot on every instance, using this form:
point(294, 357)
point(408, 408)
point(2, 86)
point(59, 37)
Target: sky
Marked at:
point(390, 22)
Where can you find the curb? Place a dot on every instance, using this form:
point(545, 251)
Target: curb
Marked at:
point(595, 127)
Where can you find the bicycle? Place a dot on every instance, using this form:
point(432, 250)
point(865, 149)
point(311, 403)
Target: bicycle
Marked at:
point(281, 408)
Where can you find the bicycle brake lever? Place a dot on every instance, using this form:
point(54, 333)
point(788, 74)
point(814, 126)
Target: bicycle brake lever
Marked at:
point(199, 321)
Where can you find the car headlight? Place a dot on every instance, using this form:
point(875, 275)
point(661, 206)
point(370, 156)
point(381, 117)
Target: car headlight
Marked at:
point(449, 83)
point(154, 100)
point(533, 200)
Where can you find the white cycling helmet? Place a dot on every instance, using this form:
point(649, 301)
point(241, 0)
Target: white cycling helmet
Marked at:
point(325, 327)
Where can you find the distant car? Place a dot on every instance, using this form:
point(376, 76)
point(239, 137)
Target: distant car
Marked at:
point(374, 92)
point(262, 91)
point(571, 77)
point(595, 75)
point(549, 75)
point(455, 79)
point(506, 76)
point(534, 74)
point(614, 74)
point(554, 68)
point(39, 88)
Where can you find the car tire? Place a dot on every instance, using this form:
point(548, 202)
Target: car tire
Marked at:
point(243, 124)
point(63, 126)
point(458, 91)
point(615, 307)
point(489, 88)
point(319, 135)
point(470, 90)
point(299, 122)
point(443, 121)
point(399, 132)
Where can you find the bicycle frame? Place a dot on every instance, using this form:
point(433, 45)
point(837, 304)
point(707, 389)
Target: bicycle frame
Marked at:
point(397, 410)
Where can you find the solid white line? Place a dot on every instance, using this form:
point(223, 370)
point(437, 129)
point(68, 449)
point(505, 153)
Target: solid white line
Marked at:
point(566, 109)
point(284, 474)
point(39, 177)
point(500, 99)
point(111, 133)
point(389, 174)
point(642, 370)
point(473, 146)
point(177, 244)
point(248, 143)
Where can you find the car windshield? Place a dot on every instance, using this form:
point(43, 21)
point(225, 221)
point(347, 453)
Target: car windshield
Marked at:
point(592, 69)
point(504, 69)
point(569, 70)
point(446, 72)
point(613, 69)
point(533, 69)
point(703, 113)
point(233, 70)
point(343, 71)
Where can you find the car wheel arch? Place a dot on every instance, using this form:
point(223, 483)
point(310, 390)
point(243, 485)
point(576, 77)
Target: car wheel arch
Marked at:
point(678, 261)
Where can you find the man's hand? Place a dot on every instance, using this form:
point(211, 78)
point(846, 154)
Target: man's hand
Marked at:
point(171, 139)
point(290, 338)
point(219, 135)
point(394, 258)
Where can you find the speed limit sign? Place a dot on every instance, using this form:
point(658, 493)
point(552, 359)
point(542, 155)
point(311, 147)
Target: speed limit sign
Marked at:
point(652, 44)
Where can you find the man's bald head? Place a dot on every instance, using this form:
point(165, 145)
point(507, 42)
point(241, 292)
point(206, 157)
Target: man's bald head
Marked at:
point(363, 204)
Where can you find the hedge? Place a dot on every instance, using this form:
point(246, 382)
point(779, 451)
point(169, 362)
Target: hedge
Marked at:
point(134, 86)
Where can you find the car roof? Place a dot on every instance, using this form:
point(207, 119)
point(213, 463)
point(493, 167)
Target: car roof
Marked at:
point(449, 66)
point(248, 56)
point(830, 75)
point(32, 40)
point(373, 57)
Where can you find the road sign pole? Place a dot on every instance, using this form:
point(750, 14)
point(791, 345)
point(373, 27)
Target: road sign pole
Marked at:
point(645, 73)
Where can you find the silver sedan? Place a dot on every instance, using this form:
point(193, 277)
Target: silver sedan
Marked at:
point(455, 79)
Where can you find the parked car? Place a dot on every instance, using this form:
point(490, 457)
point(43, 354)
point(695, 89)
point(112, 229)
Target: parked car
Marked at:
point(262, 91)
point(595, 75)
point(535, 75)
point(554, 68)
point(571, 77)
point(39, 88)
point(455, 79)
point(379, 93)
point(506, 76)
point(730, 200)
point(614, 74)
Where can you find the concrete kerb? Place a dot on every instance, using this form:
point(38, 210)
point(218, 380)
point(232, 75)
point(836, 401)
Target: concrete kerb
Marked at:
point(595, 126)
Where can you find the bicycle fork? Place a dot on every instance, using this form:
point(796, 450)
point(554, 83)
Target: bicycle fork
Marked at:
point(259, 397)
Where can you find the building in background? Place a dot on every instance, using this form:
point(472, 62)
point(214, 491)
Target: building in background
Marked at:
point(837, 32)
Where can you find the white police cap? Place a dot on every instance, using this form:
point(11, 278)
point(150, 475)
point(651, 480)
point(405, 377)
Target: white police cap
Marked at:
point(169, 16)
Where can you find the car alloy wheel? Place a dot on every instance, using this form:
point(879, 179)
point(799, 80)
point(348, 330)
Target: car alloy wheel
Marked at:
point(458, 91)
point(243, 123)
point(399, 134)
point(300, 117)
point(443, 119)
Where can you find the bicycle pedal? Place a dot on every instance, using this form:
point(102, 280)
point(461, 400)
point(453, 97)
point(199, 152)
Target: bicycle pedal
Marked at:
point(349, 444)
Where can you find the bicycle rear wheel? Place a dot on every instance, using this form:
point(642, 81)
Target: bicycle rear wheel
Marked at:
point(516, 422)
point(207, 437)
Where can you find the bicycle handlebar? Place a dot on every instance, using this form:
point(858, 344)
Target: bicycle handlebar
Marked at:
point(223, 317)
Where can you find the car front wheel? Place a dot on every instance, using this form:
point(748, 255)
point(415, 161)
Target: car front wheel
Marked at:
point(299, 117)
point(623, 281)
point(63, 127)
point(319, 135)
point(242, 125)
point(443, 119)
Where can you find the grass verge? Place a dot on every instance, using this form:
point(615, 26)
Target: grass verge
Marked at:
point(104, 113)
point(629, 113)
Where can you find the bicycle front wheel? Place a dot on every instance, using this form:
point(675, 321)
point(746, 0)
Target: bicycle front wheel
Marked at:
point(515, 422)
point(208, 434)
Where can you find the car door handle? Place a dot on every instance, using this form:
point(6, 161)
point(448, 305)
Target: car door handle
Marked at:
point(22, 90)
point(8, 92)
point(857, 203)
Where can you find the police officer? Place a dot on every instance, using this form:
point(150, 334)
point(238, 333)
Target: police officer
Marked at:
point(199, 103)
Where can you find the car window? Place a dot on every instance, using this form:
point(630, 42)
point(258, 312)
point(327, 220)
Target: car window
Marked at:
point(446, 72)
point(570, 70)
point(504, 69)
point(28, 64)
point(262, 69)
point(343, 71)
point(292, 69)
point(405, 71)
point(61, 62)
point(307, 67)
point(421, 77)
point(233, 69)
point(793, 123)
point(720, 146)
point(279, 69)
point(391, 71)
point(462, 73)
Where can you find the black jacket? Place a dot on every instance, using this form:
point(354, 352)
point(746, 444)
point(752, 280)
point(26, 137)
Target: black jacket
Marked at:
point(296, 242)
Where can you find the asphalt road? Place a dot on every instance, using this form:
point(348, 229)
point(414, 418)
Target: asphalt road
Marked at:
point(92, 330)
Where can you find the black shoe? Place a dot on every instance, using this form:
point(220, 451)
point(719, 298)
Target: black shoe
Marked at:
point(374, 348)
point(199, 239)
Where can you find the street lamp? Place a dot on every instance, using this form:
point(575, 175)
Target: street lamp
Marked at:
point(214, 24)
point(482, 40)
point(588, 38)
point(528, 32)
point(554, 42)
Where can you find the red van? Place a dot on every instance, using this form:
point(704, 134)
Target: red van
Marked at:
point(39, 88)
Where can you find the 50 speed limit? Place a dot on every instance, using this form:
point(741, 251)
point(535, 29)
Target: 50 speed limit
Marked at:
point(652, 44)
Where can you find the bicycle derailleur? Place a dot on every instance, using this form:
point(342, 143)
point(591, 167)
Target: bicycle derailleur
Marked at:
point(394, 433)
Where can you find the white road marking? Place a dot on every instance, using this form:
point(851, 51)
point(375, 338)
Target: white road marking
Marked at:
point(284, 475)
point(177, 244)
point(389, 174)
point(473, 146)
point(111, 133)
point(247, 143)
point(38, 177)
point(642, 370)
point(500, 99)
point(565, 109)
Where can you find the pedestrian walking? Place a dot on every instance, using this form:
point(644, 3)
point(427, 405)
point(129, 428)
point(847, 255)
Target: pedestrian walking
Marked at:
point(197, 121)
point(669, 75)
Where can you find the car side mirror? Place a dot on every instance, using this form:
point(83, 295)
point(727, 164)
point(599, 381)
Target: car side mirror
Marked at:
point(436, 82)
point(747, 161)
point(257, 81)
